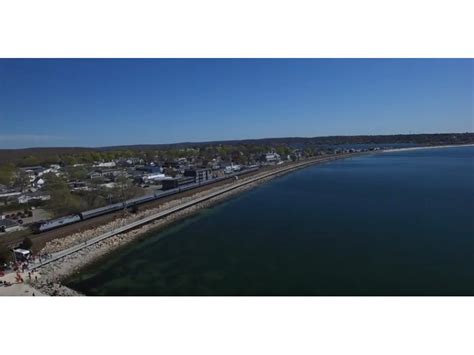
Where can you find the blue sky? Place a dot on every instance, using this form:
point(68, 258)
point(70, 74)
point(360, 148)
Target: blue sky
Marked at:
point(101, 102)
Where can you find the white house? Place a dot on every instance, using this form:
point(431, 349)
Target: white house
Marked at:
point(154, 177)
point(39, 182)
point(232, 168)
point(7, 225)
point(106, 164)
point(38, 195)
point(272, 157)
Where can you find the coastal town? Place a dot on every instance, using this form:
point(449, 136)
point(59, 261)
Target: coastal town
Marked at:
point(81, 205)
point(237, 177)
point(39, 201)
point(30, 194)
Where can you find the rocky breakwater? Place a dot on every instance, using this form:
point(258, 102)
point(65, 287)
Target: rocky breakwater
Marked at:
point(55, 272)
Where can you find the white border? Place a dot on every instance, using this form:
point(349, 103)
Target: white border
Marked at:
point(244, 28)
point(236, 28)
point(232, 325)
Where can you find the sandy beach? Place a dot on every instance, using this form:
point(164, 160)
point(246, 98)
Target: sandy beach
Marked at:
point(25, 288)
point(425, 147)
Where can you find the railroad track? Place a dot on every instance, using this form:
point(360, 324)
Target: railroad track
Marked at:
point(39, 240)
point(162, 214)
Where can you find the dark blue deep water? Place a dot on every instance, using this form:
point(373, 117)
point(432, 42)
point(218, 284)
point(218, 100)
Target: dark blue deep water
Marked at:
point(387, 224)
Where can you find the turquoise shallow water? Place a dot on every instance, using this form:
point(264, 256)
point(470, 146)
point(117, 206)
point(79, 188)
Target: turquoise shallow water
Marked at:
point(388, 224)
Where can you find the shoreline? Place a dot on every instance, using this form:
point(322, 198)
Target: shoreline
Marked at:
point(426, 147)
point(54, 273)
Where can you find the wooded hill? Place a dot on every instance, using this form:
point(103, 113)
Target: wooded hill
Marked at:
point(33, 156)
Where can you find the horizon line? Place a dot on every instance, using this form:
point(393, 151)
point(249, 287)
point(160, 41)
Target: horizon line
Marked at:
point(232, 140)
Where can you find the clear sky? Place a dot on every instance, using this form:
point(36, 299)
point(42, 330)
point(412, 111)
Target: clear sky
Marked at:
point(101, 102)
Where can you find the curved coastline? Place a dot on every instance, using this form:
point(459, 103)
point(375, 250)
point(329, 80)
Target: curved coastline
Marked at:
point(53, 274)
point(319, 231)
point(426, 147)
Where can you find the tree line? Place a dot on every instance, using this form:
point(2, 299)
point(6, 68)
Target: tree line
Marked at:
point(71, 156)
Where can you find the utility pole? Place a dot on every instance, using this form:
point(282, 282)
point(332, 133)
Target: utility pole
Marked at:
point(123, 202)
point(14, 255)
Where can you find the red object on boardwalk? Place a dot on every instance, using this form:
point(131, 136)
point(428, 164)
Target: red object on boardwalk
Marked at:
point(18, 278)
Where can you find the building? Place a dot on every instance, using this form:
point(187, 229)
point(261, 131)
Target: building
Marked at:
point(8, 195)
point(131, 161)
point(232, 168)
point(153, 177)
point(199, 174)
point(38, 196)
point(168, 184)
point(38, 182)
point(112, 174)
point(149, 169)
point(47, 171)
point(214, 165)
point(171, 164)
point(94, 174)
point(107, 164)
point(298, 153)
point(35, 170)
point(108, 185)
point(78, 186)
point(7, 225)
point(272, 157)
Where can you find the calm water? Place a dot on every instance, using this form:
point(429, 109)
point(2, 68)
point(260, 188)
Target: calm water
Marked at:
point(389, 224)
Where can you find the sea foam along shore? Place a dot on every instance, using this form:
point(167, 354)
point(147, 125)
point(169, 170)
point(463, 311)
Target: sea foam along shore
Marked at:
point(426, 147)
point(54, 273)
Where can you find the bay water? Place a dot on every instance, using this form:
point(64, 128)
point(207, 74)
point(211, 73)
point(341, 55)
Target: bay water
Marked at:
point(399, 223)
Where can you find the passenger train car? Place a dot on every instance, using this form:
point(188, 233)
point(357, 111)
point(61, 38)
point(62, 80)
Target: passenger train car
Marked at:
point(44, 226)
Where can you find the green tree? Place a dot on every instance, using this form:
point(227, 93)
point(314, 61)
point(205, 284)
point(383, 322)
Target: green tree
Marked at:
point(128, 153)
point(284, 151)
point(26, 243)
point(62, 200)
point(29, 160)
point(124, 189)
point(4, 255)
point(95, 156)
point(22, 180)
point(77, 172)
point(70, 159)
point(7, 173)
point(86, 157)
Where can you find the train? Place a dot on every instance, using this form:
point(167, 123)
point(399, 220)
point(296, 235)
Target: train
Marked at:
point(43, 226)
point(170, 184)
